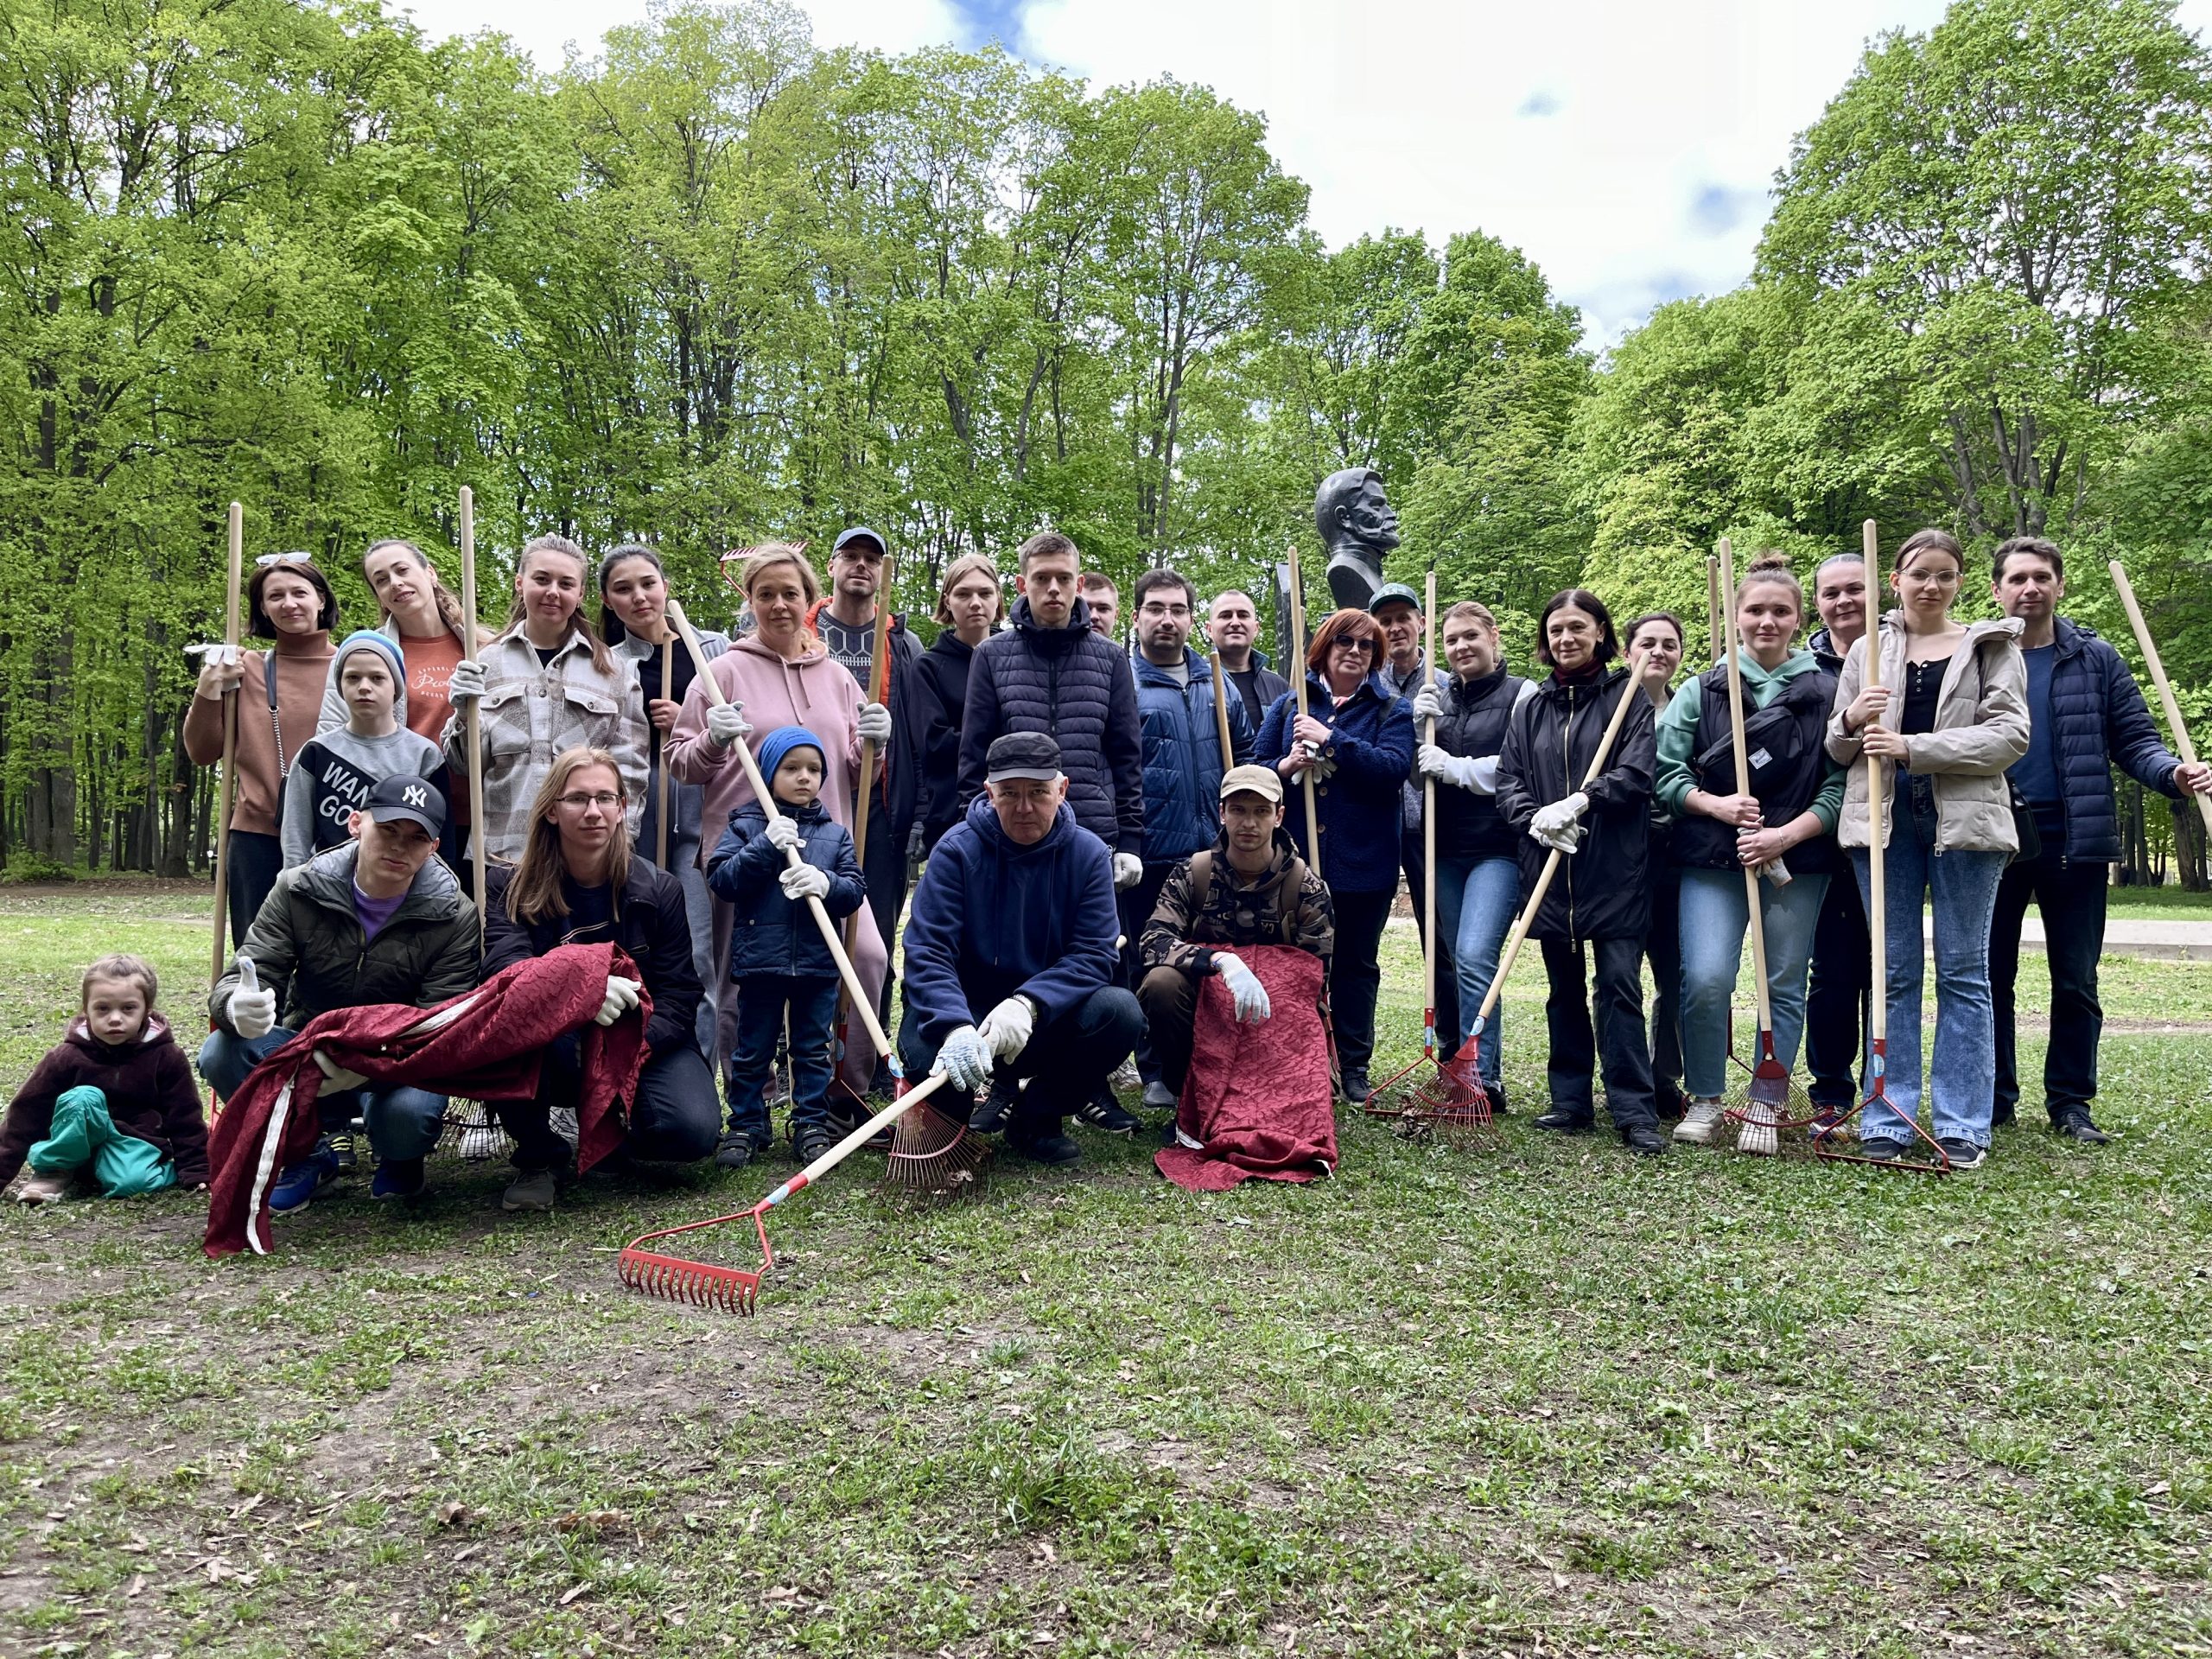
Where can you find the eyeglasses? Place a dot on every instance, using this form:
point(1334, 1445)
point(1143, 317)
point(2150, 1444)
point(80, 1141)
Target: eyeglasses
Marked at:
point(1156, 611)
point(265, 560)
point(604, 800)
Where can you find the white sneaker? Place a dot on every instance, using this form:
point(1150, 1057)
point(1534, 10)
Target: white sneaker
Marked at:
point(1757, 1137)
point(1125, 1075)
point(1700, 1122)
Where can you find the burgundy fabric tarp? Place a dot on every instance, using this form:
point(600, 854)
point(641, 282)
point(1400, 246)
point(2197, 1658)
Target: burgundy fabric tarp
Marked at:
point(1258, 1098)
point(491, 1053)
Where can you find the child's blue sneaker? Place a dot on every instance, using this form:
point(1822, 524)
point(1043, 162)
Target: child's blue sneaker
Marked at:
point(297, 1186)
point(398, 1177)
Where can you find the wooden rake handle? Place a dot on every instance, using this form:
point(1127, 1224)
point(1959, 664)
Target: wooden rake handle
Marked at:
point(1878, 1005)
point(1731, 655)
point(713, 692)
point(1527, 918)
point(2182, 747)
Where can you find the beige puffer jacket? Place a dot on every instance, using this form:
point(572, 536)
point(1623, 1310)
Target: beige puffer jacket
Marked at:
point(1981, 729)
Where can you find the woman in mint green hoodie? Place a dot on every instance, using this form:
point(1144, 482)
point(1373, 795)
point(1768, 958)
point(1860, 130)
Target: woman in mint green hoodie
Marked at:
point(1784, 827)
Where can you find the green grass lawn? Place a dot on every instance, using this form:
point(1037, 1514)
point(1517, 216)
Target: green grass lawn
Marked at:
point(1547, 1399)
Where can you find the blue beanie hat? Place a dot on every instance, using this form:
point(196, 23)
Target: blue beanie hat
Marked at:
point(771, 750)
point(361, 636)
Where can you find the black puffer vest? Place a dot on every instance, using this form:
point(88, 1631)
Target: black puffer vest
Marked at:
point(1468, 824)
point(1786, 753)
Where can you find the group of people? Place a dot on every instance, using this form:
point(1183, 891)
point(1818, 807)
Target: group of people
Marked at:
point(1103, 829)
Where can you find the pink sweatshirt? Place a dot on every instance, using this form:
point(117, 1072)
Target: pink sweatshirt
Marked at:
point(814, 692)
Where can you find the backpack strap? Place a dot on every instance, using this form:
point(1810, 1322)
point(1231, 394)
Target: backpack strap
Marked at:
point(1201, 880)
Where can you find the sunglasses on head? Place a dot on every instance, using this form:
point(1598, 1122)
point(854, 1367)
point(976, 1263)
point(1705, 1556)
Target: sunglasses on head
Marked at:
point(265, 560)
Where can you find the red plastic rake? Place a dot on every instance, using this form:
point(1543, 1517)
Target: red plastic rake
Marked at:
point(736, 1290)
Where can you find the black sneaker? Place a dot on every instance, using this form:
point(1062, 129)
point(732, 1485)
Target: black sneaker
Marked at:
point(2078, 1125)
point(1496, 1093)
point(1561, 1120)
point(1644, 1140)
point(1355, 1089)
point(811, 1141)
point(342, 1148)
point(1964, 1155)
point(533, 1190)
point(989, 1117)
point(399, 1179)
point(1107, 1115)
point(1045, 1147)
point(734, 1151)
point(1884, 1151)
point(1669, 1100)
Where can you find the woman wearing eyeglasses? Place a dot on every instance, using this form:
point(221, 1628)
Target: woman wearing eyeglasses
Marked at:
point(576, 883)
point(289, 603)
point(1357, 740)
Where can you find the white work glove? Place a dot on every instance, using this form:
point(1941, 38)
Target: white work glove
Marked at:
point(725, 723)
point(466, 683)
point(1006, 1028)
point(621, 997)
point(804, 882)
point(1428, 702)
point(1128, 870)
point(1482, 774)
point(221, 669)
point(783, 832)
point(1325, 767)
point(1559, 815)
point(252, 1011)
point(873, 724)
point(1243, 987)
point(1460, 770)
point(336, 1076)
point(1563, 839)
point(965, 1059)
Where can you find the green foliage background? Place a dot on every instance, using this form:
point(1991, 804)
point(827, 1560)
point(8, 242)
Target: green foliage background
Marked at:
point(714, 285)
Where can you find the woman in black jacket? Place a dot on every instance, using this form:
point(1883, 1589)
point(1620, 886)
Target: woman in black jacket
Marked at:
point(1655, 639)
point(1599, 896)
point(970, 603)
point(1478, 861)
point(577, 884)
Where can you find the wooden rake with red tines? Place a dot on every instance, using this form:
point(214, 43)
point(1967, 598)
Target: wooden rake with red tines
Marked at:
point(932, 1153)
point(737, 1290)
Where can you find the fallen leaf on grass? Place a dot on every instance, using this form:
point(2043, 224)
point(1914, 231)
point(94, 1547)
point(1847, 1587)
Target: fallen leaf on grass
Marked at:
point(572, 1592)
point(453, 1514)
point(591, 1520)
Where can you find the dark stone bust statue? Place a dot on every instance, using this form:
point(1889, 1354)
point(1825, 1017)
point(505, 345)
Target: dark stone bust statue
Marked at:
point(1358, 528)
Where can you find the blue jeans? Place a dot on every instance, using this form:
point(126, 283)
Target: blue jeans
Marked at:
point(1715, 915)
point(1475, 901)
point(403, 1123)
point(761, 999)
point(1963, 887)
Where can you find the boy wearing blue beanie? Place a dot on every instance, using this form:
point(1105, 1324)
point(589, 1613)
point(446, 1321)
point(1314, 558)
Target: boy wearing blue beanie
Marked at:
point(334, 772)
point(778, 959)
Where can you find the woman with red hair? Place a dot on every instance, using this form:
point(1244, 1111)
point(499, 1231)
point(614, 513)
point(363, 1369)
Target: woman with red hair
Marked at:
point(1357, 740)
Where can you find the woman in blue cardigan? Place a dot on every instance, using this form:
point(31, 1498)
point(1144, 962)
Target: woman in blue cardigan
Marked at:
point(1358, 740)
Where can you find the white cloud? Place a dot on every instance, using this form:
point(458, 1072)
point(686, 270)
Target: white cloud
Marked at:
point(1626, 147)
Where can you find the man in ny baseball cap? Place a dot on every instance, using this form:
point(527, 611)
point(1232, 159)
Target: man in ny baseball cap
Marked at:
point(403, 800)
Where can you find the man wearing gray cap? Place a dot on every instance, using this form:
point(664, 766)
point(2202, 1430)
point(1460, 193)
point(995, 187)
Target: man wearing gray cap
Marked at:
point(1009, 955)
point(1405, 670)
point(1249, 888)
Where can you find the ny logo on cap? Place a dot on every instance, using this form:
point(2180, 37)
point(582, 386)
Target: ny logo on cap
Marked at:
point(415, 796)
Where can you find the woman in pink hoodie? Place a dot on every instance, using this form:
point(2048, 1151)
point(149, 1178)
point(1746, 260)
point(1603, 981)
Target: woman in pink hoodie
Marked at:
point(780, 675)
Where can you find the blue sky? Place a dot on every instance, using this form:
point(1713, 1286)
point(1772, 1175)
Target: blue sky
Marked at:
point(1627, 148)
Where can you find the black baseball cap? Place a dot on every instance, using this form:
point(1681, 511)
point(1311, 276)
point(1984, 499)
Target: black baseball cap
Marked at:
point(859, 533)
point(416, 800)
point(1022, 754)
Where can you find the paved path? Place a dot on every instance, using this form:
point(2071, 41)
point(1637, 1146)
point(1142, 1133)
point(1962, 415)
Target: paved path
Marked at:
point(2125, 936)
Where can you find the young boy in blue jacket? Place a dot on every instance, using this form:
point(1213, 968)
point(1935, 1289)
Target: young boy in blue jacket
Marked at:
point(778, 959)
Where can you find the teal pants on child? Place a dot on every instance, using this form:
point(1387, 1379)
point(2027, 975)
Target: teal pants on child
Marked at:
point(84, 1135)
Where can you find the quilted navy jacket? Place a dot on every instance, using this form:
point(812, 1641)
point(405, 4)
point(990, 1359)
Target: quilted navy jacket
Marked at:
point(1183, 762)
point(1075, 684)
point(2100, 720)
point(773, 934)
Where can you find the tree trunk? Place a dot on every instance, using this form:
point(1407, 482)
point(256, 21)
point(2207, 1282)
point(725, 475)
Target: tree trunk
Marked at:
point(2188, 845)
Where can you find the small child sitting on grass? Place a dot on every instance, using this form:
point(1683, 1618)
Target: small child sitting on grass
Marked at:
point(777, 956)
point(115, 1099)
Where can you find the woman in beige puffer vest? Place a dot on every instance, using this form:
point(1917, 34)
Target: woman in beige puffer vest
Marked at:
point(1950, 715)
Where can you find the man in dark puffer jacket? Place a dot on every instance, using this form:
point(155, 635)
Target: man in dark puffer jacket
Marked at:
point(2086, 716)
point(1050, 673)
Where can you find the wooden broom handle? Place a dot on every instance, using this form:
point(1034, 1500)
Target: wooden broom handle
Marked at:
point(2182, 747)
point(1527, 918)
point(713, 692)
point(227, 782)
point(1296, 654)
point(1731, 655)
point(660, 785)
point(1878, 1006)
point(473, 713)
point(1428, 836)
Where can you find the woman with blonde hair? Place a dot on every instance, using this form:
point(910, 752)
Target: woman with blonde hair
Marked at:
point(576, 883)
point(970, 602)
point(547, 684)
point(781, 674)
point(1950, 714)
